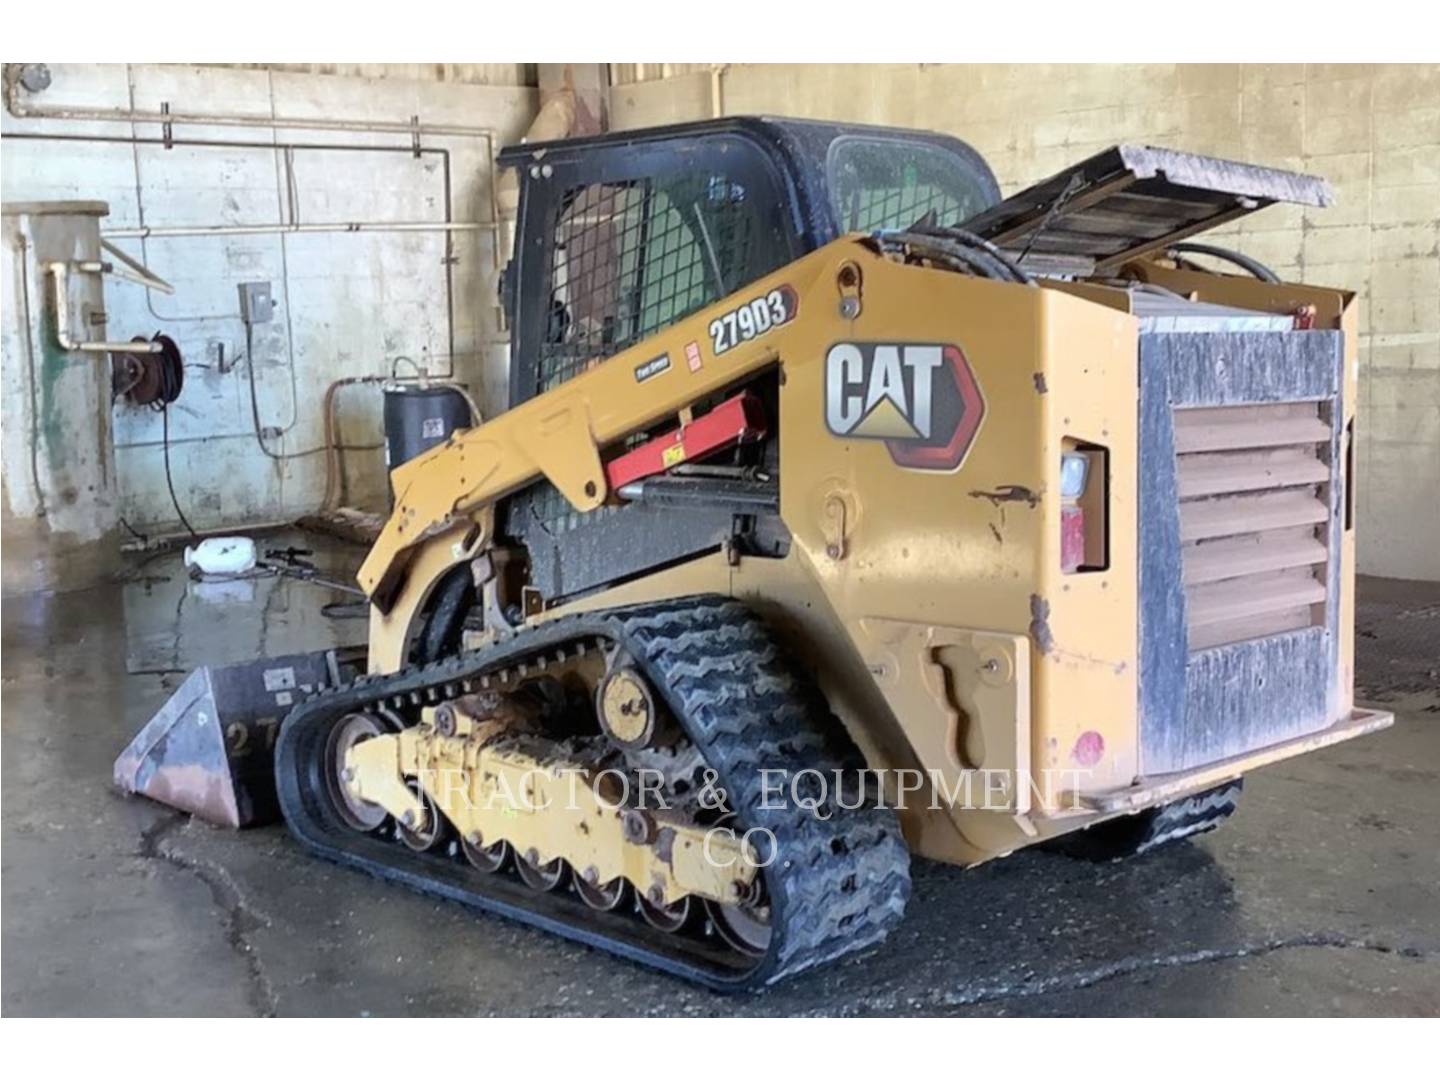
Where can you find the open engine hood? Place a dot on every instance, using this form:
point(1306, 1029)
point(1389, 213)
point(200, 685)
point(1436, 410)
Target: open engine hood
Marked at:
point(1131, 200)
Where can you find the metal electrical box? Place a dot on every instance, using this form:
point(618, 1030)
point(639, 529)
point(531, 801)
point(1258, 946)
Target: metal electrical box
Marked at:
point(256, 305)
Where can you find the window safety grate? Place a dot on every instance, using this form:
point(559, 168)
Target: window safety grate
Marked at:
point(886, 183)
point(899, 207)
point(631, 258)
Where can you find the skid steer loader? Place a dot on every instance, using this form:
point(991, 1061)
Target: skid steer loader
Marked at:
point(843, 511)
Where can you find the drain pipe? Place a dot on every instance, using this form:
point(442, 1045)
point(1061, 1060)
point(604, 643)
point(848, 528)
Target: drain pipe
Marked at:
point(555, 120)
point(717, 89)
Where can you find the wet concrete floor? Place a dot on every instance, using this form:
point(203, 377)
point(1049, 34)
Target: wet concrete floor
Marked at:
point(1320, 897)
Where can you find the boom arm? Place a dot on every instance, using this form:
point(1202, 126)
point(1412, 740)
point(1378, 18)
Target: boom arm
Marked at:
point(444, 498)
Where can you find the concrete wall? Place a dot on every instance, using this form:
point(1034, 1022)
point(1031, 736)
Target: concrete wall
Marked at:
point(349, 304)
point(1373, 130)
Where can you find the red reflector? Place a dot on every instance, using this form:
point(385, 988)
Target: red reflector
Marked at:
point(1089, 748)
point(1072, 538)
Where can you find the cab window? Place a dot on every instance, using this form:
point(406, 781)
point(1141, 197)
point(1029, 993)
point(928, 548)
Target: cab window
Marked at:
point(890, 183)
point(631, 257)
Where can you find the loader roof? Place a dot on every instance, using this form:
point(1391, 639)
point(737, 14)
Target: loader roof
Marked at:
point(823, 162)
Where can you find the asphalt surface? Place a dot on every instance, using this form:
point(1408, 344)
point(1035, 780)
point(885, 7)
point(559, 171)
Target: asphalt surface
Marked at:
point(1320, 897)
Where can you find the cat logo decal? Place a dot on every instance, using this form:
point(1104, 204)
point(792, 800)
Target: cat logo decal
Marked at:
point(921, 400)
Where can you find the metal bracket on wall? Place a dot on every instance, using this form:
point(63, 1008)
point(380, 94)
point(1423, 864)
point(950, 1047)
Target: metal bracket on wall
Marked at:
point(134, 270)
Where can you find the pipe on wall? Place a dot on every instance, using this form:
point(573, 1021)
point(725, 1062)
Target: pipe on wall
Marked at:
point(145, 231)
point(60, 274)
point(413, 126)
point(414, 129)
point(168, 118)
point(142, 232)
point(329, 447)
point(717, 89)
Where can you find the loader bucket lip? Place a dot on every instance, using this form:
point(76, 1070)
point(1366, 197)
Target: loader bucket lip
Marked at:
point(209, 748)
point(179, 759)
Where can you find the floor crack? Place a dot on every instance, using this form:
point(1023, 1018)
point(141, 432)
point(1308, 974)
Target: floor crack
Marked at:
point(1135, 965)
point(991, 994)
point(238, 917)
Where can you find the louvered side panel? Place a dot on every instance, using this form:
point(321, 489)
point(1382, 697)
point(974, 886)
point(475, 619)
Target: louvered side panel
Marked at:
point(1205, 430)
point(1254, 519)
point(1242, 488)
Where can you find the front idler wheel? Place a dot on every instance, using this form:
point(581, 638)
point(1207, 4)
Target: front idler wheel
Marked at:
point(360, 814)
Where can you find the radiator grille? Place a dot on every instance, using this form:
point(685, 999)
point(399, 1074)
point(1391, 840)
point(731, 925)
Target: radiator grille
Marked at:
point(1253, 482)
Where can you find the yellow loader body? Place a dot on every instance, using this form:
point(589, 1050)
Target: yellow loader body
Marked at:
point(931, 603)
point(820, 533)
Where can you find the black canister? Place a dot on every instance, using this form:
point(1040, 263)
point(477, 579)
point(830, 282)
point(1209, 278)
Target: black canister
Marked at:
point(418, 417)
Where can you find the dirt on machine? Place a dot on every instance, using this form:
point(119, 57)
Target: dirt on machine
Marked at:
point(843, 512)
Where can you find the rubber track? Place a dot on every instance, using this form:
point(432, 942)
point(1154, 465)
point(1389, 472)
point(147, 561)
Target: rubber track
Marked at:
point(839, 880)
point(1191, 816)
point(1160, 826)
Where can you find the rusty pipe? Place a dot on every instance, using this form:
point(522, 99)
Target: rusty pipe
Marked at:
point(334, 483)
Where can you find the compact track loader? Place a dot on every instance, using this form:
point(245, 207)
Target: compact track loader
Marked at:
point(843, 511)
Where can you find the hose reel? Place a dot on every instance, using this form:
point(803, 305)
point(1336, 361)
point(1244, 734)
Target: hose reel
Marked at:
point(153, 379)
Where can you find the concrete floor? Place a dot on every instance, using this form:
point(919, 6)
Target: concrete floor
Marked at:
point(1322, 896)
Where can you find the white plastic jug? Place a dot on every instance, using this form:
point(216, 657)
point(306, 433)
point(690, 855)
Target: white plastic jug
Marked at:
point(222, 555)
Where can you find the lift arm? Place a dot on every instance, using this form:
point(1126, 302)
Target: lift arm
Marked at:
point(444, 498)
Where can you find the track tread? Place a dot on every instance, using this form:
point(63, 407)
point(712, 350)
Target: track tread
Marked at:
point(1160, 826)
point(840, 880)
point(845, 878)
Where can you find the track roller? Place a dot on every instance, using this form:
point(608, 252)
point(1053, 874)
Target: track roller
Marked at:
point(608, 897)
point(546, 878)
point(488, 859)
point(671, 918)
point(424, 835)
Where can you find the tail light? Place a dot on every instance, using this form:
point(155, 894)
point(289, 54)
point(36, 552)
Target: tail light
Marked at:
point(1084, 540)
